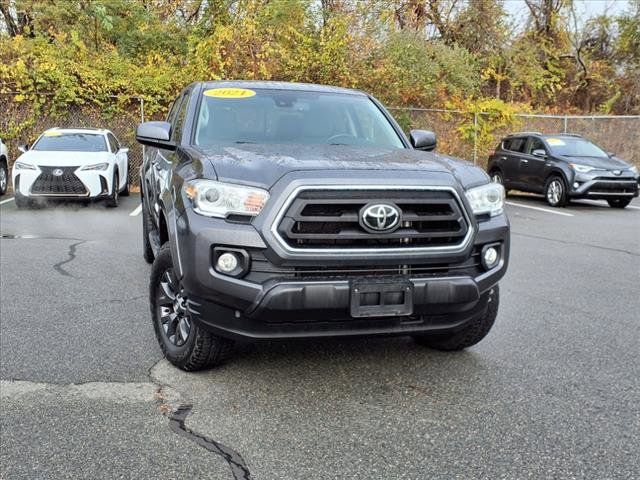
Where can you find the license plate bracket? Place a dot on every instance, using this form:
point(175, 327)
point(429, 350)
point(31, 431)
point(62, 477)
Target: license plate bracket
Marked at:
point(381, 299)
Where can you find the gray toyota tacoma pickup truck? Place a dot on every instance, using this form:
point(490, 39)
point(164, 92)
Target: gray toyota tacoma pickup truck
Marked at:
point(279, 211)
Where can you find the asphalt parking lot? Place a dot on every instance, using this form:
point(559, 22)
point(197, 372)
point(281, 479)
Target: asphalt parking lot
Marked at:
point(552, 392)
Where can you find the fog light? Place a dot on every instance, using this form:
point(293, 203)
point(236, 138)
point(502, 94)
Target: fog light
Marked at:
point(227, 262)
point(576, 184)
point(490, 257)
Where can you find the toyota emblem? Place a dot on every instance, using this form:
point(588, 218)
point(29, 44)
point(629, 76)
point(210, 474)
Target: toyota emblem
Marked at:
point(617, 172)
point(57, 172)
point(380, 217)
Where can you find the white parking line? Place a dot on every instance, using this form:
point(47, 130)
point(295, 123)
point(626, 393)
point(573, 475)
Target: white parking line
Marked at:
point(136, 211)
point(6, 201)
point(565, 214)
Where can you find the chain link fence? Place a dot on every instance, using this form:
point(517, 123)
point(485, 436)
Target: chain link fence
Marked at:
point(460, 134)
point(473, 136)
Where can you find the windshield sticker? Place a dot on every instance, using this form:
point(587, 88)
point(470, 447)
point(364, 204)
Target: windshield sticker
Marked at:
point(229, 93)
point(52, 134)
point(555, 142)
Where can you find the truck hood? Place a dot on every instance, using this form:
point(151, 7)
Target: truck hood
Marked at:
point(63, 159)
point(264, 165)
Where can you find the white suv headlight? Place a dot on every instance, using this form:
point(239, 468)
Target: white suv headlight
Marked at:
point(96, 166)
point(23, 166)
point(217, 199)
point(486, 199)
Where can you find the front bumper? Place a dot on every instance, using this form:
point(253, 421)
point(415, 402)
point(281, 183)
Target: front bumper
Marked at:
point(97, 184)
point(604, 186)
point(279, 300)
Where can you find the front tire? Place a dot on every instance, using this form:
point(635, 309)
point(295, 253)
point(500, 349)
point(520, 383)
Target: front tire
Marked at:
point(112, 201)
point(471, 333)
point(22, 202)
point(619, 202)
point(4, 177)
point(555, 191)
point(183, 342)
point(125, 191)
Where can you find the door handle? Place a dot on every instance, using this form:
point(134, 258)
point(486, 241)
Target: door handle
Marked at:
point(524, 160)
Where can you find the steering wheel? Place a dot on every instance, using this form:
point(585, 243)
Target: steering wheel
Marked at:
point(346, 136)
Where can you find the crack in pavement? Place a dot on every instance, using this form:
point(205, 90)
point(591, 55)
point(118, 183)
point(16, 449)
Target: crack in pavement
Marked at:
point(58, 266)
point(234, 459)
point(124, 392)
point(177, 419)
point(72, 256)
point(567, 242)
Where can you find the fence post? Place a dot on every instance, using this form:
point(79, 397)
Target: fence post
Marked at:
point(475, 137)
point(142, 120)
point(565, 123)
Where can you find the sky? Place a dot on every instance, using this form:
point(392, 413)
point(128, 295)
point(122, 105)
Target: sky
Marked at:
point(584, 8)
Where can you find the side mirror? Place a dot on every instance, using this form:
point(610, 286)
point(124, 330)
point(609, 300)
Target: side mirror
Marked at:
point(124, 149)
point(539, 152)
point(611, 154)
point(423, 140)
point(23, 148)
point(155, 134)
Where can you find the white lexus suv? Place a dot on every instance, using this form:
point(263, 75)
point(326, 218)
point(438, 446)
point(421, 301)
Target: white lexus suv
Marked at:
point(72, 163)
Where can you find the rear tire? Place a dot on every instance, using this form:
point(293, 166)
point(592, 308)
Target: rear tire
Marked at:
point(183, 342)
point(147, 227)
point(555, 191)
point(496, 177)
point(619, 202)
point(470, 334)
point(112, 201)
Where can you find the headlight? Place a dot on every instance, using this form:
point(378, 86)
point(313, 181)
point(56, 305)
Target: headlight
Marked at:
point(581, 168)
point(217, 199)
point(96, 166)
point(634, 170)
point(488, 198)
point(23, 166)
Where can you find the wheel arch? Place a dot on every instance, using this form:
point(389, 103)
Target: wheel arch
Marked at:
point(557, 172)
point(163, 230)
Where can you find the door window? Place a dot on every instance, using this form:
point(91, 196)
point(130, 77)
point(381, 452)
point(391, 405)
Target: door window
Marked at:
point(515, 144)
point(178, 124)
point(113, 142)
point(535, 144)
point(173, 111)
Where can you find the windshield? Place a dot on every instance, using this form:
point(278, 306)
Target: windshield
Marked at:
point(71, 142)
point(575, 147)
point(292, 117)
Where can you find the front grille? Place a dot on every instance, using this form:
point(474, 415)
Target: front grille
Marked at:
point(66, 184)
point(263, 270)
point(613, 186)
point(331, 219)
